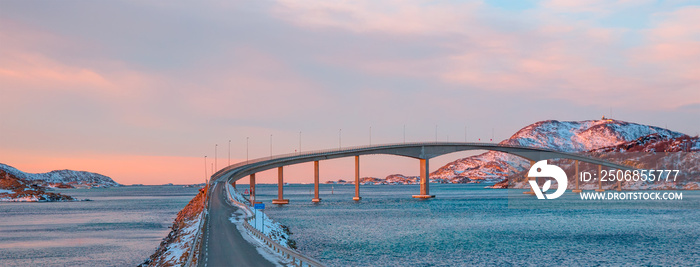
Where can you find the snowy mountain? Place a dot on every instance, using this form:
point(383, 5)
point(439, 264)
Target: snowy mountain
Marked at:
point(62, 178)
point(651, 152)
point(390, 179)
point(13, 189)
point(567, 136)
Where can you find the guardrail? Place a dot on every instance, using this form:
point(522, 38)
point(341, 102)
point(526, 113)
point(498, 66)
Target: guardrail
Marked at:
point(286, 252)
point(198, 235)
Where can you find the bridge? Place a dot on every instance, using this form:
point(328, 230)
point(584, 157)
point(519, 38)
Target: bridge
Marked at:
point(422, 151)
point(229, 247)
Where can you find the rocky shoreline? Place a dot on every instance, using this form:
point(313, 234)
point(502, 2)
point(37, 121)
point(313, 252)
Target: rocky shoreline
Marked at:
point(174, 250)
point(13, 189)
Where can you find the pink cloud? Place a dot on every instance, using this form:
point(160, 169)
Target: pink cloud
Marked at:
point(599, 7)
point(261, 81)
point(395, 17)
point(550, 56)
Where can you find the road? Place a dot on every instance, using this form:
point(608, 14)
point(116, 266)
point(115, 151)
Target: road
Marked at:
point(223, 244)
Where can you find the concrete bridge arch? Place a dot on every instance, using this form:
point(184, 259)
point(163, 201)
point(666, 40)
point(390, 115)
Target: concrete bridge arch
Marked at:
point(423, 151)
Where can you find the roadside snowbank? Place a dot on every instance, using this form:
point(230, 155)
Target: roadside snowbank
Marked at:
point(274, 230)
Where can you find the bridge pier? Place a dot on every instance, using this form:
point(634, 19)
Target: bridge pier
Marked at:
point(280, 185)
point(316, 198)
point(600, 181)
point(424, 180)
point(357, 179)
point(252, 188)
point(576, 177)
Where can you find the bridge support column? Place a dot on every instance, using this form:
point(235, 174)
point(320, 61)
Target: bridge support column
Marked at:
point(280, 185)
point(252, 188)
point(576, 177)
point(357, 179)
point(424, 180)
point(316, 198)
point(600, 181)
point(531, 192)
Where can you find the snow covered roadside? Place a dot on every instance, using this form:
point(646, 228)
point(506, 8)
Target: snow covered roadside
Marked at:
point(264, 251)
point(175, 249)
point(281, 249)
point(274, 230)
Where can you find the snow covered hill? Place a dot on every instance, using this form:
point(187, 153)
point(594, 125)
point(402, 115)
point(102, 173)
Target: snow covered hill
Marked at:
point(567, 136)
point(62, 178)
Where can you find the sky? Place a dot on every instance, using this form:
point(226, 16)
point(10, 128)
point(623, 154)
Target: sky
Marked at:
point(142, 91)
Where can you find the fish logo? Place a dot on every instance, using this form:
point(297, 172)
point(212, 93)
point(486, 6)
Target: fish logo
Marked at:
point(541, 169)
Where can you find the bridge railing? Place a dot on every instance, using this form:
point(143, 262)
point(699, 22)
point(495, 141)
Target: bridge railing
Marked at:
point(364, 147)
point(335, 150)
point(297, 258)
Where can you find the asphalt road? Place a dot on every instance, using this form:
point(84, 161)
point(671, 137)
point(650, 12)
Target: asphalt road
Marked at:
point(223, 244)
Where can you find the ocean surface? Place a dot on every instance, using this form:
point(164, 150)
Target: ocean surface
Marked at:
point(464, 225)
point(468, 225)
point(121, 226)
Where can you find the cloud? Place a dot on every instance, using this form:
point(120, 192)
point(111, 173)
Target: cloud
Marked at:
point(588, 6)
point(172, 79)
point(259, 83)
point(542, 52)
point(394, 17)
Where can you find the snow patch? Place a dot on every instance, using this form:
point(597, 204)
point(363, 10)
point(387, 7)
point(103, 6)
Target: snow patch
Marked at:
point(265, 224)
point(264, 251)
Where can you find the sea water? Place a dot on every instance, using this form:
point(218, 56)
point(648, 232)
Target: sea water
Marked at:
point(467, 224)
point(463, 225)
point(121, 226)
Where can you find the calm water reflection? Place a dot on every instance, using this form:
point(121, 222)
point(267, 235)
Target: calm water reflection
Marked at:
point(120, 227)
